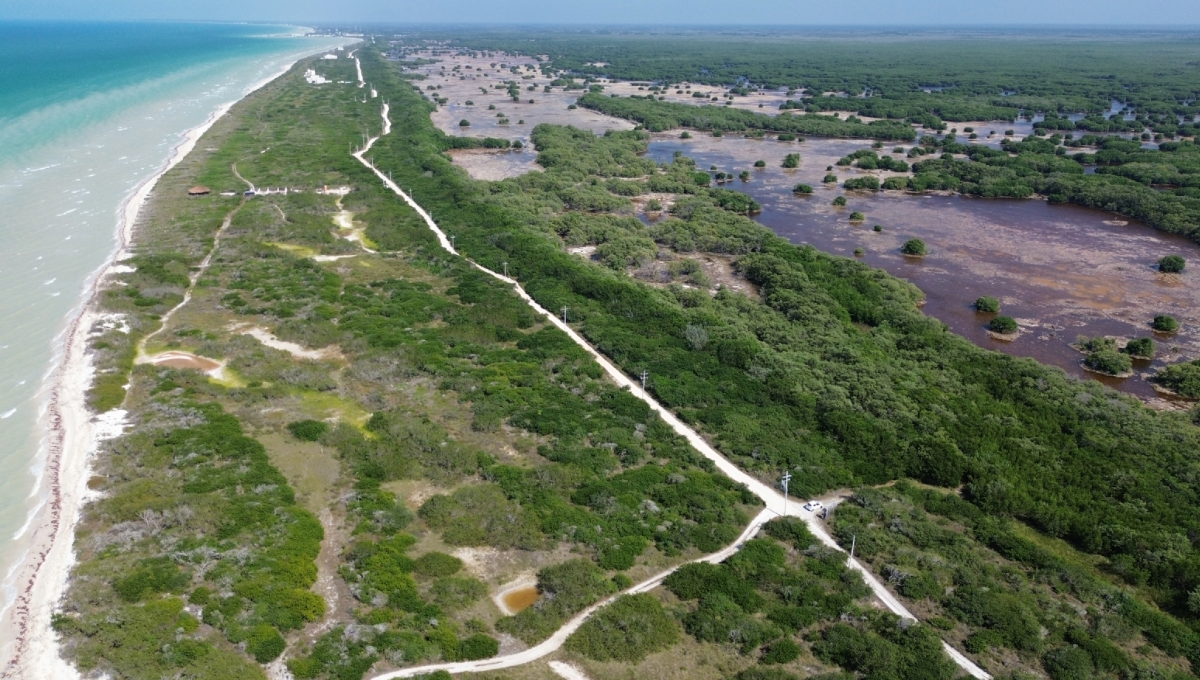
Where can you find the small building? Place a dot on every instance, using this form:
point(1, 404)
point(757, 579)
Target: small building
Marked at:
point(199, 191)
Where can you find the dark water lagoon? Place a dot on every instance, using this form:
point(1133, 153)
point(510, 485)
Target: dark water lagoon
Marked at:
point(1061, 271)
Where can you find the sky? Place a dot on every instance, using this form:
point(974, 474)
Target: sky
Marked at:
point(691, 12)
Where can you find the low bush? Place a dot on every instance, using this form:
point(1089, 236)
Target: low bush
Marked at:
point(1164, 323)
point(627, 630)
point(914, 247)
point(1171, 264)
point(1003, 325)
point(307, 430)
point(987, 305)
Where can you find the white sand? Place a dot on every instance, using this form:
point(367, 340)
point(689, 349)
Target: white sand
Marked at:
point(27, 641)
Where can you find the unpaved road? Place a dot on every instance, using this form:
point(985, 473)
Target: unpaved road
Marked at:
point(773, 499)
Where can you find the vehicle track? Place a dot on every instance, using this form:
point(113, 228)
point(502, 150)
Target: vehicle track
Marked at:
point(775, 502)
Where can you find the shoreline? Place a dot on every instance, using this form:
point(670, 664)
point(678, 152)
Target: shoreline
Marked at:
point(71, 435)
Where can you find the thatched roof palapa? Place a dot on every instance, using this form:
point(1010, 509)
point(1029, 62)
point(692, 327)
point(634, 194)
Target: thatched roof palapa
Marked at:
point(199, 191)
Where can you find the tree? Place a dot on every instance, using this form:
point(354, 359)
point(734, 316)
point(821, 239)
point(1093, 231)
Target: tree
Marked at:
point(307, 430)
point(1171, 264)
point(1003, 325)
point(987, 305)
point(744, 175)
point(857, 217)
point(802, 189)
point(760, 164)
point(1108, 361)
point(696, 336)
point(877, 228)
point(914, 247)
point(1184, 380)
point(840, 201)
point(829, 179)
point(792, 160)
point(464, 123)
point(685, 135)
point(1165, 323)
point(1140, 348)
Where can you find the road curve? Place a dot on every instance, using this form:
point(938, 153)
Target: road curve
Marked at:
point(775, 502)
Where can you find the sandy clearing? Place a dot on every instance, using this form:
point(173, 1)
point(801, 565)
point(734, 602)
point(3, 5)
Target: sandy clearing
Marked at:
point(268, 338)
point(567, 671)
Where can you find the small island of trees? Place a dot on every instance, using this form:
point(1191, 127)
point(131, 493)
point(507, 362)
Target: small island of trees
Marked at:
point(914, 247)
point(840, 201)
point(1004, 325)
point(1182, 379)
point(802, 189)
point(1172, 264)
point(987, 305)
point(857, 216)
point(1164, 323)
point(829, 179)
point(792, 160)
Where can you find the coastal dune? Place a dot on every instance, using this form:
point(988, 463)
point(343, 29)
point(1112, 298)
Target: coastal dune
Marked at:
point(71, 436)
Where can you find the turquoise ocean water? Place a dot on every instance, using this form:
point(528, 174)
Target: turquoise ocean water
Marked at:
point(87, 113)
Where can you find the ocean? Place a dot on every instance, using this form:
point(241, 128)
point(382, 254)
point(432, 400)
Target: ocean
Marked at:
point(88, 111)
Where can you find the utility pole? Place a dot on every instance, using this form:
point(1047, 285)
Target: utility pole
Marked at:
point(451, 235)
point(645, 374)
point(505, 270)
point(564, 314)
point(787, 477)
point(853, 541)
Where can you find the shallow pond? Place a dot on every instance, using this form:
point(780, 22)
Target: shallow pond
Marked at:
point(1060, 270)
point(516, 600)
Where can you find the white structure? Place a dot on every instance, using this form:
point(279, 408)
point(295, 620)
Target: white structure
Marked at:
point(329, 56)
point(314, 79)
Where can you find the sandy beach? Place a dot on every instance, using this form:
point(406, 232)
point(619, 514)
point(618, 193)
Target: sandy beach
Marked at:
point(71, 435)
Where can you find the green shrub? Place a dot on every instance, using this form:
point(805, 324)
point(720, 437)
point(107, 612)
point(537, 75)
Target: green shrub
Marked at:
point(896, 184)
point(987, 305)
point(1172, 264)
point(1183, 379)
point(760, 164)
point(155, 575)
point(685, 135)
point(877, 228)
point(464, 123)
point(914, 247)
point(867, 183)
point(802, 189)
point(1140, 348)
point(840, 201)
point(1108, 361)
point(857, 217)
point(307, 430)
point(1003, 325)
point(436, 564)
point(829, 179)
point(792, 160)
point(627, 630)
point(781, 651)
point(1069, 663)
point(264, 643)
point(1164, 323)
point(478, 646)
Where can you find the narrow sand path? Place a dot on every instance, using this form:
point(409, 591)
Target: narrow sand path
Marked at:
point(195, 276)
point(774, 500)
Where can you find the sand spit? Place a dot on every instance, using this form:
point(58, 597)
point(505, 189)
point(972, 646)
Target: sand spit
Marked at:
point(72, 435)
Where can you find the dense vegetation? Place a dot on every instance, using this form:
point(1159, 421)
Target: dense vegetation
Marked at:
point(837, 351)
point(1023, 606)
point(952, 78)
point(774, 602)
point(826, 369)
